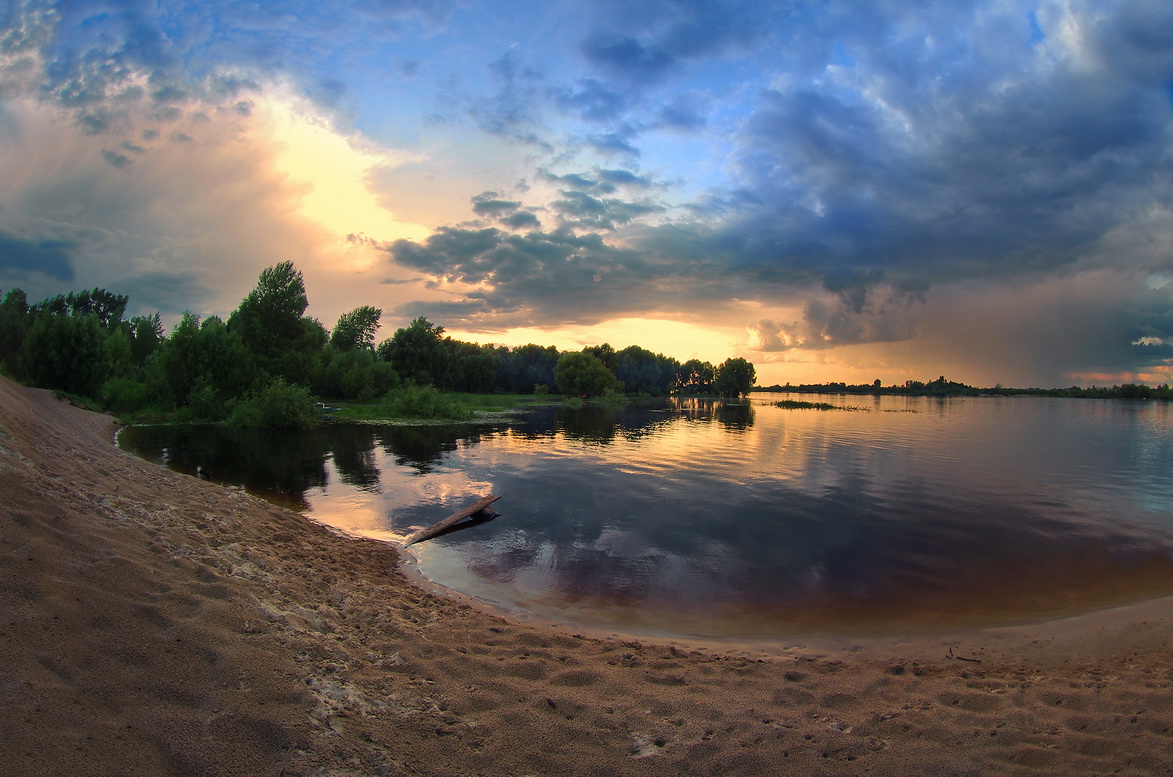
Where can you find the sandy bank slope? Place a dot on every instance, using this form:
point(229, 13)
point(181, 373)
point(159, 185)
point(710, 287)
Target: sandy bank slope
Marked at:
point(151, 623)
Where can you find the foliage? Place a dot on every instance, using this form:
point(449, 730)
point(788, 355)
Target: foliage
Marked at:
point(207, 356)
point(604, 353)
point(524, 368)
point(582, 374)
point(206, 369)
point(14, 324)
point(416, 351)
point(68, 353)
point(412, 400)
point(355, 374)
point(798, 404)
point(278, 405)
point(696, 377)
point(105, 306)
point(735, 377)
point(269, 320)
point(613, 399)
point(641, 371)
point(146, 335)
point(356, 329)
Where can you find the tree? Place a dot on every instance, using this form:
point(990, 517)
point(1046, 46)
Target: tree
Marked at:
point(582, 374)
point(415, 351)
point(356, 329)
point(604, 353)
point(696, 377)
point(107, 306)
point(523, 368)
point(735, 377)
point(269, 319)
point(14, 324)
point(71, 353)
point(204, 364)
point(640, 370)
point(146, 335)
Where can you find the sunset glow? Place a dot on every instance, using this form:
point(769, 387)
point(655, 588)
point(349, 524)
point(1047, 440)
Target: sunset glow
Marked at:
point(835, 192)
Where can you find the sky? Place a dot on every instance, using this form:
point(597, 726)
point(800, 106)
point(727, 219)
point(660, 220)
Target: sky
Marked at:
point(836, 191)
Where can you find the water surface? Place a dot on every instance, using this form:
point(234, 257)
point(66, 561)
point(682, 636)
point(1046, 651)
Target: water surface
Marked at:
point(749, 521)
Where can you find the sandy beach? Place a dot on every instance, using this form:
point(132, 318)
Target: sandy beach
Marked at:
point(157, 624)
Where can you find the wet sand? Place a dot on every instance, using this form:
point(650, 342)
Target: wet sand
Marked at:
point(153, 623)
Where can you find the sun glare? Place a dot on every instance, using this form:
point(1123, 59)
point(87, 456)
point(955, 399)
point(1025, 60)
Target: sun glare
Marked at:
point(335, 169)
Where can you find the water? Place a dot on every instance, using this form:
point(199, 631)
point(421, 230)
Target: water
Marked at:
point(750, 521)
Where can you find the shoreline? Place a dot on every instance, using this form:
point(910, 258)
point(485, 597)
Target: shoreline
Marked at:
point(154, 619)
point(1087, 635)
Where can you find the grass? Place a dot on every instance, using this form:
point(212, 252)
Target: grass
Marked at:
point(798, 404)
point(433, 406)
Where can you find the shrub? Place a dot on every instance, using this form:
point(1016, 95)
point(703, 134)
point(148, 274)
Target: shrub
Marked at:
point(277, 406)
point(124, 395)
point(411, 400)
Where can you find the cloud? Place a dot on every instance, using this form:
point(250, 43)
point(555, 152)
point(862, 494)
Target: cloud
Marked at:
point(540, 278)
point(840, 175)
point(21, 257)
point(646, 43)
point(114, 159)
point(489, 204)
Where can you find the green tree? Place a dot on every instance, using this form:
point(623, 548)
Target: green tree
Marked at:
point(14, 324)
point(146, 335)
point(640, 370)
point(735, 377)
point(269, 319)
point(106, 305)
point(68, 353)
point(604, 353)
point(696, 377)
point(205, 365)
point(356, 329)
point(355, 374)
point(523, 368)
point(582, 374)
point(416, 351)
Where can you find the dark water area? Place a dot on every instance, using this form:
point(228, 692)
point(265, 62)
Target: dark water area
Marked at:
point(749, 521)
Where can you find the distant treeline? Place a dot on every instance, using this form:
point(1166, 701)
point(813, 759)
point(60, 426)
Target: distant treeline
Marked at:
point(268, 362)
point(947, 388)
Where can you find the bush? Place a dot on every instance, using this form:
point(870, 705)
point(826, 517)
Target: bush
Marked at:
point(613, 399)
point(204, 404)
point(124, 395)
point(414, 401)
point(278, 406)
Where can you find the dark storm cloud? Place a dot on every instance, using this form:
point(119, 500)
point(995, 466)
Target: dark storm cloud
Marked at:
point(645, 43)
point(580, 210)
point(543, 278)
point(506, 212)
point(523, 219)
point(490, 204)
point(22, 257)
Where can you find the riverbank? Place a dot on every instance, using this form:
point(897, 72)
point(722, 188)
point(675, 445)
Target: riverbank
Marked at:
point(160, 623)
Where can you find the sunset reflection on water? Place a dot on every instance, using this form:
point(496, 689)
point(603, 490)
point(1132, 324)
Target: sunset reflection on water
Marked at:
point(747, 520)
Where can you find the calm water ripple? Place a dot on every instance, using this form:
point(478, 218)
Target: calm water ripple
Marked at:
point(749, 520)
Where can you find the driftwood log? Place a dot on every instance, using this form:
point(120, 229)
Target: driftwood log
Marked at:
point(466, 512)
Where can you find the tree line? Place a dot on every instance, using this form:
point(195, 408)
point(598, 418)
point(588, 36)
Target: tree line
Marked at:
point(948, 388)
point(269, 362)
